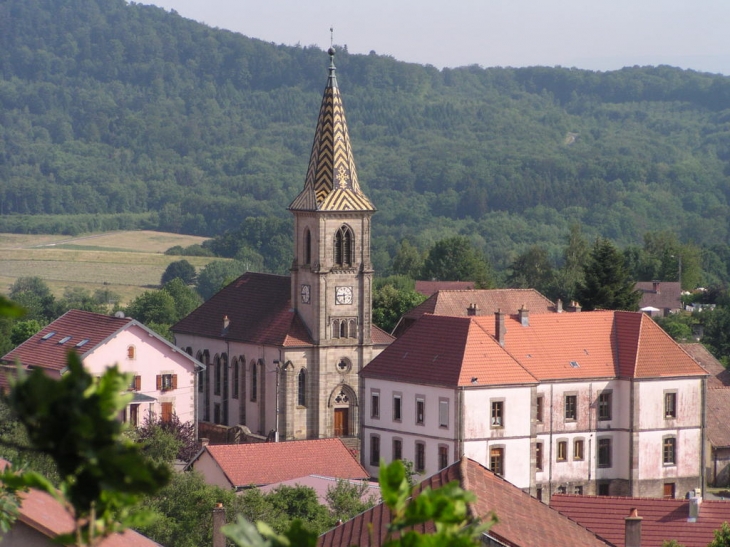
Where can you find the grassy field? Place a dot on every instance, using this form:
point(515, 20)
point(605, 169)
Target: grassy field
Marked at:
point(125, 262)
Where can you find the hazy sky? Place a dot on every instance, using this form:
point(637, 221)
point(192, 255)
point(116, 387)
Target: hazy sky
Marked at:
point(592, 34)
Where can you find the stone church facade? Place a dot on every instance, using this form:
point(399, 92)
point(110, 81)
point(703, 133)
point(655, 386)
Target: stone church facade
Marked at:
point(282, 353)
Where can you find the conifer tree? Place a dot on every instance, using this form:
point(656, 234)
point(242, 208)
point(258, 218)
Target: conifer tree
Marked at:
point(607, 284)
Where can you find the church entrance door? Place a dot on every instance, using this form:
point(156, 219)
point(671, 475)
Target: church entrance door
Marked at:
point(342, 422)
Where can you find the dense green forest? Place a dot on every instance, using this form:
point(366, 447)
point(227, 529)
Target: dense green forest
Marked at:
point(125, 115)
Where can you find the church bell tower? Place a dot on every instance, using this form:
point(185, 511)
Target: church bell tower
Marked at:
point(331, 275)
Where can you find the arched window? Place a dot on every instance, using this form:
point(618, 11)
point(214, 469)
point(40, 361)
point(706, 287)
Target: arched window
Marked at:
point(217, 381)
point(307, 246)
point(224, 364)
point(131, 352)
point(344, 248)
point(254, 380)
point(353, 328)
point(343, 329)
point(302, 385)
point(201, 373)
point(236, 378)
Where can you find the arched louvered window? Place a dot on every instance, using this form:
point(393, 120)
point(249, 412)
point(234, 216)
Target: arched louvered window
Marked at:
point(302, 386)
point(344, 247)
point(307, 246)
point(343, 329)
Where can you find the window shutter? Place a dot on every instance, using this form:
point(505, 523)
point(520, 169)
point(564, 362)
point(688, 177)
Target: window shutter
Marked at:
point(174, 381)
point(137, 383)
point(159, 382)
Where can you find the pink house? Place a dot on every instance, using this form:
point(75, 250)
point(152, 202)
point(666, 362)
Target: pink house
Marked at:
point(164, 376)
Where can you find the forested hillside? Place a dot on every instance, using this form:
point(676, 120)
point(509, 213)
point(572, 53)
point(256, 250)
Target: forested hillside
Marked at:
point(109, 108)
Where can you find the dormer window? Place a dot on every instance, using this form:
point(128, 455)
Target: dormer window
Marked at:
point(344, 248)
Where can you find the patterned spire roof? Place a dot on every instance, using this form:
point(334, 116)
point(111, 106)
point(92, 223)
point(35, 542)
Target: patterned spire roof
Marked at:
point(331, 183)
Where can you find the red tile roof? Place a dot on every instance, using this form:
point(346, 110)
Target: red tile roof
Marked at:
point(259, 309)
point(430, 287)
point(663, 519)
point(719, 375)
point(456, 303)
point(265, 463)
point(43, 513)
point(76, 324)
point(450, 351)
point(523, 520)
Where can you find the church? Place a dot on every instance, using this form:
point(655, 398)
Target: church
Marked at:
point(282, 353)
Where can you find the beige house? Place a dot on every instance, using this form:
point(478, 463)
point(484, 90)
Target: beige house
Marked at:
point(283, 352)
point(598, 402)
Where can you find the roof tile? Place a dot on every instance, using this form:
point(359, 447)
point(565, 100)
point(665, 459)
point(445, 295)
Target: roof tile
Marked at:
point(45, 350)
point(523, 520)
point(662, 519)
point(266, 463)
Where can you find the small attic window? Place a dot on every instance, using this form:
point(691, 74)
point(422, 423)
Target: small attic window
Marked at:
point(574, 364)
point(82, 343)
point(64, 340)
point(49, 335)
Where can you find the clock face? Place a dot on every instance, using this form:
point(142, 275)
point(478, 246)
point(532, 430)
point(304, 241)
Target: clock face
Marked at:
point(343, 295)
point(305, 294)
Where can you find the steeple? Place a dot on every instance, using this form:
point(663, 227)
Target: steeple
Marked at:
point(331, 183)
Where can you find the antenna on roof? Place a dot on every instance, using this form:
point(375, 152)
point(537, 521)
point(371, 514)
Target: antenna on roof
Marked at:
point(332, 36)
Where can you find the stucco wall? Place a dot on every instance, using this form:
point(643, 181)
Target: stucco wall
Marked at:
point(151, 358)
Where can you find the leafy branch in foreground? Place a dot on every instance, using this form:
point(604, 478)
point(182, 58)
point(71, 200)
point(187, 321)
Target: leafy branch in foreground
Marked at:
point(446, 507)
point(74, 421)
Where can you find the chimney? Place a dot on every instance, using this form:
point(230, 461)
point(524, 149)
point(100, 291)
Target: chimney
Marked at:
point(219, 520)
point(576, 306)
point(694, 507)
point(204, 441)
point(632, 534)
point(524, 315)
point(655, 287)
point(472, 309)
point(499, 328)
point(559, 306)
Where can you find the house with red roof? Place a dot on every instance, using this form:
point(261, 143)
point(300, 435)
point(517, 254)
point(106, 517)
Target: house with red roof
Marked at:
point(600, 402)
point(163, 376)
point(282, 353)
point(476, 302)
point(41, 518)
point(660, 297)
point(691, 522)
point(239, 466)
point(717, 453)
point(523, 521)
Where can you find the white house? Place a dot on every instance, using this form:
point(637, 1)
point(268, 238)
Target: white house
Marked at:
point(164, 377)
point(590, 403)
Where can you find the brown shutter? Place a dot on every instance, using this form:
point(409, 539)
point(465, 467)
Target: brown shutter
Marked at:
point(159, 382)
point(174, 381)
point(137, 383)
point(166, 411)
